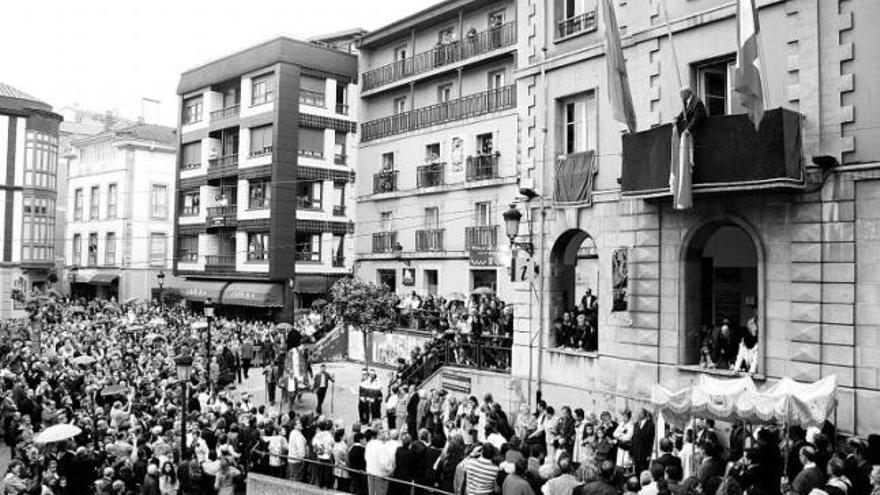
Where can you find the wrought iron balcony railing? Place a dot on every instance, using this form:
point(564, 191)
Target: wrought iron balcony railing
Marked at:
point(481, 236)
point(473, 45)
point(383, 242)
point(474, 105)
point(223, 113)
point(482, 167)
point(429, 240)
point(385, 182)
point(577, 24)
point(431, 175)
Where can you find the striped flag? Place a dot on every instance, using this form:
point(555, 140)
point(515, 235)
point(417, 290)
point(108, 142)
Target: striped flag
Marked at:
point(748, 82)
point(618, 81)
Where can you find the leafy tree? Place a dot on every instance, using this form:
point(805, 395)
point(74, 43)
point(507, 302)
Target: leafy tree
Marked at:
point(366, 306)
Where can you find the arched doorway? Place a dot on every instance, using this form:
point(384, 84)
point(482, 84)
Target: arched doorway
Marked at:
point(574, 263)
point(722, 282)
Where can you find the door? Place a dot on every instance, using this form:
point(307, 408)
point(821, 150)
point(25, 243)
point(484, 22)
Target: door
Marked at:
point(431, 278)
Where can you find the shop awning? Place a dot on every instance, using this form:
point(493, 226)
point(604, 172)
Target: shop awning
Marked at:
point(313, 284)
point(200, 290)
point(263, 295)
point(105, 278)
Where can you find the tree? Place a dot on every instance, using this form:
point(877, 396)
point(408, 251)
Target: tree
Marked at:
point(363, 305)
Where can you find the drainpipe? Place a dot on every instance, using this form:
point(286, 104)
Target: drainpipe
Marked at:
point(544, 161)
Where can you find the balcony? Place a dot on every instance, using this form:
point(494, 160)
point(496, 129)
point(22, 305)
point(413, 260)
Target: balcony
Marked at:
point(308, 256)
point(311, 98)
point(473, 45)
point(338, 262)
point(258, 204)
point(384, 182)
point(339, 159)
point(342, 109)
point(224, 113)
point(223, 166)
point(430, 175)
point(190, 211)
point(338, 210)
point(383, 242)
point(190, 166)
point(264, 151)
point(318, 155)
point(481, 236)
point(729, 155)
point(221, 216)
point(486, 102)
point(578, 24)
point(482, 167)
point(429, 240)
point(308, 203)
point(220, 263)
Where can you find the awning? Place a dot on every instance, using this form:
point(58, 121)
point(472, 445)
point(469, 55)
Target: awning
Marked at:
point(313, 284)
point(263, 295)
point(200, 290)
point(96, 277)
point(105, 278)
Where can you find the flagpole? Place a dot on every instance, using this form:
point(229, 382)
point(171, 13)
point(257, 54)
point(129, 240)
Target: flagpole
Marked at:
point(672, 44)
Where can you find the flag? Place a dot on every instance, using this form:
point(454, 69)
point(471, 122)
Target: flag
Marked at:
point(748, 77)
point(618, 81)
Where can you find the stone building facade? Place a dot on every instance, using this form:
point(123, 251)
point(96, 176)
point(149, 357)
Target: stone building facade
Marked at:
point(784, 227)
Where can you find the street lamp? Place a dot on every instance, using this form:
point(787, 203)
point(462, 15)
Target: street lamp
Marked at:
point(72, 278)
point(512, 218)
point(184, 372)
point(209, 315)
point(161, 278)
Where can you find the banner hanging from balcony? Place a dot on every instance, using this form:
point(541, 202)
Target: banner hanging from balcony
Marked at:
point(749, 82)
point(575, 174)
point(618, 81)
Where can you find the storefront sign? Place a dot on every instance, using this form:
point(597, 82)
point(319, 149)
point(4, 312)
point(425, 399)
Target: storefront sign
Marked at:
point(483, 257)
point(455, 382)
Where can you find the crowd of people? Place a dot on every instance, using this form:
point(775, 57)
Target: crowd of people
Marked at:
point(460, 445)
point(108, 370)
point(475, 331)
point(578, 327)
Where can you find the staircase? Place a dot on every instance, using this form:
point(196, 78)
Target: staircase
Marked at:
point(332, 347)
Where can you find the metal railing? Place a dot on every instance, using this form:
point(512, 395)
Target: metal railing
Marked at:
point(486, 352)
point(342, 109)
point(311, 154)
point(258, 203)
point(573, 25)
point(308, 256)
point(474, 105)
point(266, 150)
point(188, 257)
point(430, 175)
point(230, 111)
point(219, 261)
point(307, 203)
point(190, 166)
point(338, 261)
point(221, 216)
point(189, 211)
point(383, 242)
point(339, 158)
point(319, 473)
point(384, 182)
point(224, 161)
point(312, 98)
point(429, 240)
point(338, 210)
point(481, 236)
point(474, 44)
point(482, 167)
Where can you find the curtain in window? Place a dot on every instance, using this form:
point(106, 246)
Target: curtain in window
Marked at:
point(574, 177)
point(311, 139)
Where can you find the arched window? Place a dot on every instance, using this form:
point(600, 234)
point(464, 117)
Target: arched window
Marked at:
point(722, 291)
point(574, 302)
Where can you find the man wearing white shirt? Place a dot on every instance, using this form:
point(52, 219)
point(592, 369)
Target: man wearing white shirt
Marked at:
point(378, 464)
point(297, 447)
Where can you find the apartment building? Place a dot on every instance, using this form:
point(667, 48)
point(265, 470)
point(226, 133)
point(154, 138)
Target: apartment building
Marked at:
point(438, 148)
point(28, 164)
point(266, 166)
point(782, 235)
point(120, 212)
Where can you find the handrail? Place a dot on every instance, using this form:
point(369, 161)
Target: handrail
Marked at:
point(293, 459)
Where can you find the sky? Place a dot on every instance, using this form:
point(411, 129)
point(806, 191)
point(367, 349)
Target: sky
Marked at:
point(108, 54)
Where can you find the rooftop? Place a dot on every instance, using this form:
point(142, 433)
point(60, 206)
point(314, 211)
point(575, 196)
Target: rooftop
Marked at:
point(143, 132)
point(17, 99)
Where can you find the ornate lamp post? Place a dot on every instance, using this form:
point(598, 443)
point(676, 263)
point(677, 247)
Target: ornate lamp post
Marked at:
point(512, 218)
point(184, 372)
point(72, 278)
point(161, 278)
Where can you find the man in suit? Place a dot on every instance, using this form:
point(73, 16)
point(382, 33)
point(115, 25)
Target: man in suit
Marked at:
point(247, 356)
point(322, 382)
point(810, 476)
point(358, 462)
point(363, 404)
point(693, 111)
point(412, 412)
point(419, 450)
point(666, 457)
point(642, 441)
point(404, 466)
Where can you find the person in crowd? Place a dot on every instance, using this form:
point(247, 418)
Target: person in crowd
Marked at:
point(480, 472)
point(642, 440)
point(322, 381)
point(565, 481)
point(667, 458)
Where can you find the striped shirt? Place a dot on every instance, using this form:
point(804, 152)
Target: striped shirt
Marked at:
point(480, 476)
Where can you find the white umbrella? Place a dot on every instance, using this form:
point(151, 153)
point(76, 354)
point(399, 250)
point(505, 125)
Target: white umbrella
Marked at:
point(57, 433)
